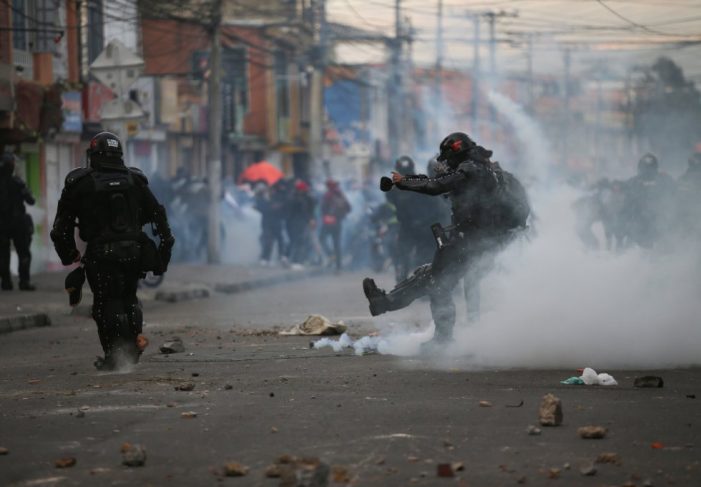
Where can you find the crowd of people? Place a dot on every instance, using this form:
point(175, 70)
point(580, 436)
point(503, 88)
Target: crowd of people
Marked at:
point(650, 209)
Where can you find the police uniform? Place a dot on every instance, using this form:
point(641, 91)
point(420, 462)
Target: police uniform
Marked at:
point(482, 221)
point(16, 226)
point(112, 203)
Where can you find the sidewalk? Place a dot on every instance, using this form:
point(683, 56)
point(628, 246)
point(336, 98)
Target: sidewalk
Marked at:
point(19, 309)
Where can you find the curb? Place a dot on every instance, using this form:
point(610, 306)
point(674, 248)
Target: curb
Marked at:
point(239, 287)
point(177, 296)
point(21, 322)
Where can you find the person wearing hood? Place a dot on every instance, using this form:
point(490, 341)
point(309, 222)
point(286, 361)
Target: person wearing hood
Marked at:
point(488, 205)
point(334, 209)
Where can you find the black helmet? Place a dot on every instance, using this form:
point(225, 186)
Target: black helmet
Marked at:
point(405, 165)
point(455, 147)
point(647, 165)
point(105, 148)
point(7, 164)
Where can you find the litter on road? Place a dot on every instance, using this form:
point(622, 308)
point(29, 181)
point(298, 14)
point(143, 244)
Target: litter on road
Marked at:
point(589, 377)
point(316, 325)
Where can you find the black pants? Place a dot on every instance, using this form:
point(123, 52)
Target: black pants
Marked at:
point(22, 240)
point(459, 258)
point(271, 234)
point(332, 232)
point(116, 309)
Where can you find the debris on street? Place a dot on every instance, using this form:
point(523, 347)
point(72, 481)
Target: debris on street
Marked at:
point(235, 469)
point(187, 386)
point(174, 345)
point(648, 381)
point(133, 455)
point(588, 470)
point(445, 470)
point(533, 430)
point(299, 472)
point(592, 432)
point(65, 462)
point(550, 413)
point(188, 415)
point(316, 325)
point(591, 378)
point(485, 404)
point(609, 457)
point(4, 451)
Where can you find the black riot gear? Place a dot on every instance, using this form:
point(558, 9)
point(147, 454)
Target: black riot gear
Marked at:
point(488, 204)
point(455, 148)
point(111, 204)
point(405, 165)
point(648, 166)
point(105, 148)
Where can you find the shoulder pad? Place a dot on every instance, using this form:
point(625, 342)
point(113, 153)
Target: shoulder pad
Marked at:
point(468, 167)
point(77, 174)
point(135, 171)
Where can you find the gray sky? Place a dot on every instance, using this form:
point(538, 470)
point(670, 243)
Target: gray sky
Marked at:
point(621, 32)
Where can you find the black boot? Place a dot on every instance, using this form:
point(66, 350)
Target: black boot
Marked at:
point(27, 286)
point(377, 298)
point(105, 364)
point(7, 284)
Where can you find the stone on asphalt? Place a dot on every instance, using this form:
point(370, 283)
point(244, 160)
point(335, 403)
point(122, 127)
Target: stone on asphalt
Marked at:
point(485, 404)
point(188, 415)
point(588, 470)
point(592, 432)
point(445, 470)
point(4, 451)
point(533, 430)
point(235, 469)
point(65, 462)
point(648, 381)
point(609, 457)
point(133, 455)
point(550, 411)
point(187, 386)
point(174, 345)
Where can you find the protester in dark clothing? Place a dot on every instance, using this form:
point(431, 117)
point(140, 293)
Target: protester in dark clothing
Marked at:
point(488, 206)
point(16, 226)
point(271, 204)
point(334, 208)
point(300, 222)
point(111, 203)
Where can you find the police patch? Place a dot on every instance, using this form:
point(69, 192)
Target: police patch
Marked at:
point(112, 143)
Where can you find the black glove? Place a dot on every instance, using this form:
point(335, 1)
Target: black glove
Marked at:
point(386, 184)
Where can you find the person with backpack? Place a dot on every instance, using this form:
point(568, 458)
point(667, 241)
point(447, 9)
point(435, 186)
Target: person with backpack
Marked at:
point(16, 224)
point(110, 203)
point(488, 206)
point(334, 208)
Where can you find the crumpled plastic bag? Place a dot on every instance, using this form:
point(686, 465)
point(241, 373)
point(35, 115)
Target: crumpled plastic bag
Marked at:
point(591, 378)
point(316, 325)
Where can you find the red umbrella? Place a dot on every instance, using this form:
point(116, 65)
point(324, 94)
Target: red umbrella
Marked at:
point(261, 171)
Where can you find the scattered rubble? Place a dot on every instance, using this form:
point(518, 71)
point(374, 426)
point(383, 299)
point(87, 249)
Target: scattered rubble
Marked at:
point(592, 432)
point(553, 473)
point(4, 451)
point(188, 415)
point(174, 345)
point(228, 387)
point(299, 472)
point(550, 411)
point(485, 404)
point(533, 430)
point(340, 475)
point(316, 325)
point(609, 457)
point(235, 469)
point(444, 470)
point(133, 455)
point(66, 462)
point(520, 404)
point(588, 470)
point(187, 386)
point(648, 381)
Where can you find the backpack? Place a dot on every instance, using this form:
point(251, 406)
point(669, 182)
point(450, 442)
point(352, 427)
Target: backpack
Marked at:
point(512, 200)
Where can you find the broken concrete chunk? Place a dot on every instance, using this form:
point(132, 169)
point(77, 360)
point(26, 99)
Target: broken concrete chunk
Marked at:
point(174, 345)
point(300, 472)
point(550, 411)
point(445, 470)
point(188, 415)
point(533, 430)
point(235, 469)
point(592, 432)
point(485, 404)
point(4, 451)
point(588, 470)
point(65, 462)
point(133, 455)
point(648, 381)
point(187, 386)
point(609, 457)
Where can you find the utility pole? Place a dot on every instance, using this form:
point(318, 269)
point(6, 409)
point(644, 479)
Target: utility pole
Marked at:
point(316, 136)
point(215, 135)
point(438, 88)
point(531, 94)
point(394, 86)
point(474, 104)
point(566, 121)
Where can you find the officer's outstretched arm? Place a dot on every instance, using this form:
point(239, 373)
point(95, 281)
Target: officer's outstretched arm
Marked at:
point(433, 186)
point(62, 231)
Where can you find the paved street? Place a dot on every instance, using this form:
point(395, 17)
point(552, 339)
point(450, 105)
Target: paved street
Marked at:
point(385, 420)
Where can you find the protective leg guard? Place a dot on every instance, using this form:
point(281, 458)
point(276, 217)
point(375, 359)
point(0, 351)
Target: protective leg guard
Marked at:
point(411, 288)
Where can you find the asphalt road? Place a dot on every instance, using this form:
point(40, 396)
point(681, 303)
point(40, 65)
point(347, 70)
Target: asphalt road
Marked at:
point(386, 420)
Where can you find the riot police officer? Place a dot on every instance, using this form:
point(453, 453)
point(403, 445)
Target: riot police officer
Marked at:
point(16, 225)
point(488, 204)
point(112, 203)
